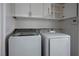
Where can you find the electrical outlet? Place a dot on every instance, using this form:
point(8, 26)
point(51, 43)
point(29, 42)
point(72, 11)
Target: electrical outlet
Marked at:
point(74, 22)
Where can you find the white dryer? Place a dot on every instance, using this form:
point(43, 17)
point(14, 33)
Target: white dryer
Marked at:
point(56, 44)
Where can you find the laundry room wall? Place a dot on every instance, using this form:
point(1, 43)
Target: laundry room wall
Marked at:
point(36, 23)
point(70, 27)
point(8, 23)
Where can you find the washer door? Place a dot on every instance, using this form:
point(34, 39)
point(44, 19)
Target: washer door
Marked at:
point(25, 46)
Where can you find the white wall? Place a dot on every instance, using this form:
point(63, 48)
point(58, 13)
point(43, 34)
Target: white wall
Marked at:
point(9, 20)
point(72, 29)
point(36, 23)
point(8, 23)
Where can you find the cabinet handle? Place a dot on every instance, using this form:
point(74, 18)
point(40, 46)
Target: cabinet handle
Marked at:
point(48, 10)
point(30, 14)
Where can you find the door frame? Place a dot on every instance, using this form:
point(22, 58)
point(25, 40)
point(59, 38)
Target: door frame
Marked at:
point(1, 26)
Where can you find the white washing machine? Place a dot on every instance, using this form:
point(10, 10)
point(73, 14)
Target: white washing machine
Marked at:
point(56, 44)
point(25, 44)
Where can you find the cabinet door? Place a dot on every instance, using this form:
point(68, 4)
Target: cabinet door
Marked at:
point(58, 10)
point(60, 47)
point(47, 9)
point(53, 10)
point(21, 9)
point(70, 10)
point(37, 9)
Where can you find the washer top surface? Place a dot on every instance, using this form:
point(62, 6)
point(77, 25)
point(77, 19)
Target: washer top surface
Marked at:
point(26, 34)
point(54, 35)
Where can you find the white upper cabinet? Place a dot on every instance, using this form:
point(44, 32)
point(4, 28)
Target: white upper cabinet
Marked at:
point(57, 10)
point(37, 9)
point(70, 10)
point(46, 10)
point(22, 9)
point(29, 9)
point(54, 11)
point(60, 10)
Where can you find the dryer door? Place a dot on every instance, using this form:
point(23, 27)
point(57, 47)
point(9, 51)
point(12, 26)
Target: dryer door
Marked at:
point(60, 47)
